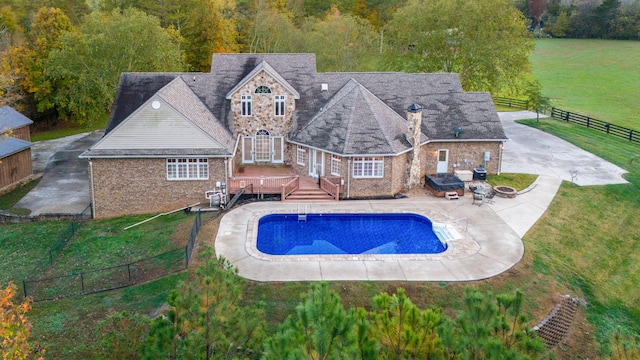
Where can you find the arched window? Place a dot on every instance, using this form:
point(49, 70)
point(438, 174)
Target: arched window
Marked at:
point(263, 150)
point(262, 89)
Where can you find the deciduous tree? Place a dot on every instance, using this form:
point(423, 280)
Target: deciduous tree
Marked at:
point(485, 41)
point(90, 61)
point(15, 328)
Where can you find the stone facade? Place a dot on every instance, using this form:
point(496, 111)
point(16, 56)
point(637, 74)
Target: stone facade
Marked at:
point(414, 119)
point(140, 186)
point(263, 115)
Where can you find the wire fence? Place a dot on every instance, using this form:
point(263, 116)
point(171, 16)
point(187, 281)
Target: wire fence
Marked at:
point(41, 288)
point(55, 250)
point(93, 281)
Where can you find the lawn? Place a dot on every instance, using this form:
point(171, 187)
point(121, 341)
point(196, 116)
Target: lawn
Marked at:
point(598, 78)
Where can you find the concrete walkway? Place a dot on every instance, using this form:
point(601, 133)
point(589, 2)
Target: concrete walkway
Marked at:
point(491, 234)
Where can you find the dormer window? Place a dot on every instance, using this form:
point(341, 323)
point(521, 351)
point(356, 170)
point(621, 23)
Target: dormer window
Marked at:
point(262, 89)
point(278, 104)
point(245, 104)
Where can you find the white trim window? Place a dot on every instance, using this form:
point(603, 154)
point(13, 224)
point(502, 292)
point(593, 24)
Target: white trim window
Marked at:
point(245, 105)
point(368, 167)
point(300, 155)
point(279, 105)
point(187, 169)
point(335, 165)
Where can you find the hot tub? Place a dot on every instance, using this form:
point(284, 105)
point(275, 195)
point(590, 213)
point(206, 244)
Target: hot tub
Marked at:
point(440, 184)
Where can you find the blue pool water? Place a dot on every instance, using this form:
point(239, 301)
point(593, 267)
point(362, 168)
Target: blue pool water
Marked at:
point(286, 234)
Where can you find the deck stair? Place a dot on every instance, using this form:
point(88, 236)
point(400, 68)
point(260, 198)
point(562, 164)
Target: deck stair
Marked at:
point(553, 328)
point(309, 195)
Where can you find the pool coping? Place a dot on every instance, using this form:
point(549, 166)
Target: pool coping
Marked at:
point(488, 246)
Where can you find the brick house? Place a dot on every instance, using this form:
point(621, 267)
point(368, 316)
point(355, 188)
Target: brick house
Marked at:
point(267, 123)
point(15, 149)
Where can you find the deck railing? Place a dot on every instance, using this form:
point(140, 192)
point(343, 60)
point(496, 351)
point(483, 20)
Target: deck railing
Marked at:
point(259, 184)
point(290, 187)
point(331, 185)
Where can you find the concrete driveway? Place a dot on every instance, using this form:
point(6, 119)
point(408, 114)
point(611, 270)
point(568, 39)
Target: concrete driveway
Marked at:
point(531, 151)
point(64, 187)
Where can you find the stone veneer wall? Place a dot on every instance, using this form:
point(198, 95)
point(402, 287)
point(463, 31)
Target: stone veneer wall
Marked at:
point(263, 108)
point(140, 186)
point(458, 151)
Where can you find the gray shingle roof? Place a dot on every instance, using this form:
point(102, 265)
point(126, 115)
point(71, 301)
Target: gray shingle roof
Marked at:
point(11, 119)
point(182, 98)
point(10, 146)
point(445, 104)
point(355, 122)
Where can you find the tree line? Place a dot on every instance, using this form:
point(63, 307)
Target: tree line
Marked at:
point(63, 58)
point(587, 19)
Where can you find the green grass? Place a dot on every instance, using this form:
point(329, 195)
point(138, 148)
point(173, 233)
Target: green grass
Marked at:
point(589, 236)
point(598, 78)
point(516, 181)
point(23, 246)
point(67, 328)
point(105, 243)
point(66, 131)
point(8, 200)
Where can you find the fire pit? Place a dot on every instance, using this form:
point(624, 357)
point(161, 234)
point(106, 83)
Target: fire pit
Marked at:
point(505, 191)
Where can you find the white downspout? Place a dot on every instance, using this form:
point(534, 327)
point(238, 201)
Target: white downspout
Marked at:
point(349, 178)
point(226, 180)
point(93, 195)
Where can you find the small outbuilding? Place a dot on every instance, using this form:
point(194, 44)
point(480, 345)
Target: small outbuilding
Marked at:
point(15, 149)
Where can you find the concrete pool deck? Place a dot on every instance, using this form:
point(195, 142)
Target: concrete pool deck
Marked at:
point(491, 239)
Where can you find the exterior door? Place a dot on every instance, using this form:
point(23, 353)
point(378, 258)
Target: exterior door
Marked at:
point(443, 161)
point(277, 149)
point(247, 150)
point(262, 146)
point(316, 163)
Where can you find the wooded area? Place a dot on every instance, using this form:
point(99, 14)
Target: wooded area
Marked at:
point(64, 60)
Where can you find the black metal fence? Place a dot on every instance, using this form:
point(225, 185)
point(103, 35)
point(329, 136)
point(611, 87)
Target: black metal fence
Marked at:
point(193, 236)
point(93, 281)
point(595, 124)
point(115, 277)
point(55, 250)
point(509, 102)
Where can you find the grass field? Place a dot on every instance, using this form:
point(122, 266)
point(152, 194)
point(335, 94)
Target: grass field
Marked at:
point(599, 78)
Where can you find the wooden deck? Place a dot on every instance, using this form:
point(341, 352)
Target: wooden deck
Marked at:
point(278, 179)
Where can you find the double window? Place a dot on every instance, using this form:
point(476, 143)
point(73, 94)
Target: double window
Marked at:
point(368, 167)
point(245, 104)
point(187, 169)
point(278, 105)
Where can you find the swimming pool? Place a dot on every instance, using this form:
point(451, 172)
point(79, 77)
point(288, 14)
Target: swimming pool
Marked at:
point(315, 234)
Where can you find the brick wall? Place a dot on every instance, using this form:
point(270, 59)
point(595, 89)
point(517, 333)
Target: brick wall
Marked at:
point(140, 186)
point(458, 152)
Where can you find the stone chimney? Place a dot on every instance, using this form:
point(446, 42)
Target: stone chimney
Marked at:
point(414, 129)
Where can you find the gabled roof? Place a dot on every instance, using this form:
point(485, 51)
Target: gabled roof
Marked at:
point(11, 145)
point(172, 122)
point(11, 119)
point(355, 122)
point(264, 66)
point(184, 100)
